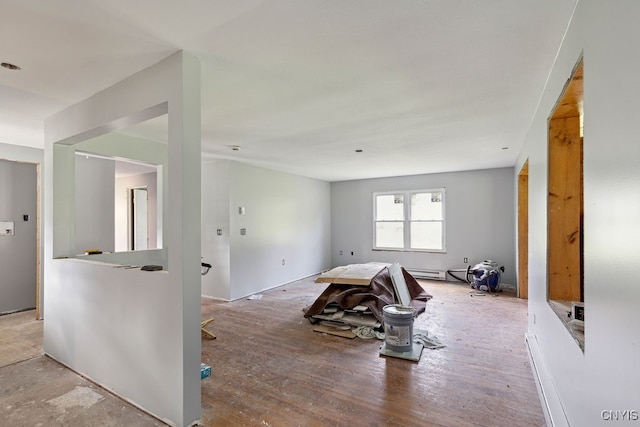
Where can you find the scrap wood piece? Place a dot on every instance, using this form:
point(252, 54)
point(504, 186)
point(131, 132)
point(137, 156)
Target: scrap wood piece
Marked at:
point(333, 331)
point(352, 274)
point(364, 320)
point(336, 325)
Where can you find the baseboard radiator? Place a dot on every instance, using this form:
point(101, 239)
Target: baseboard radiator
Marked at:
point(425, 273)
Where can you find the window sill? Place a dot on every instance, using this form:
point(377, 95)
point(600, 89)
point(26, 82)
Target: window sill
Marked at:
point(562, 310)
point(431, 251)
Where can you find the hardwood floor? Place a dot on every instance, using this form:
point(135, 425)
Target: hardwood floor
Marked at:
point(270, 369)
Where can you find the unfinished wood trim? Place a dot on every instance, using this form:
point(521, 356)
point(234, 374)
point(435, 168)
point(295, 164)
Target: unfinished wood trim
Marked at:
point(570, 103)
point(565, 210)
point(565, 204)
point(523, 231)
point(38, 239)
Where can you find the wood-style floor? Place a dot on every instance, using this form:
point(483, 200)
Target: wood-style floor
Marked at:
point(270, 369)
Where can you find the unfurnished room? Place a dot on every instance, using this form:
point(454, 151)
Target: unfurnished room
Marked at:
point(319, 213)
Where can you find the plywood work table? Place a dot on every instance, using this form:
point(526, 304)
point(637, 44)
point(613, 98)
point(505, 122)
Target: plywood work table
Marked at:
point(352, 274)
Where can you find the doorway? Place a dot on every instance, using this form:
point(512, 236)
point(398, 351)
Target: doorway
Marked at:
point(20, 237)
point(138, 220)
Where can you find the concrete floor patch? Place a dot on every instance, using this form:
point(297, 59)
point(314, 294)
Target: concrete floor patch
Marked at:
point(80, 396)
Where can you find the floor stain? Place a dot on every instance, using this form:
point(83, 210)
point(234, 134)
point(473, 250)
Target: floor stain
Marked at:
point(80, 396)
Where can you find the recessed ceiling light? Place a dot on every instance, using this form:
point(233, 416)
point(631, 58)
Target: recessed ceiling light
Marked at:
point(234, 147)
point(359, 150)
point(10, 66)
point(505, 148)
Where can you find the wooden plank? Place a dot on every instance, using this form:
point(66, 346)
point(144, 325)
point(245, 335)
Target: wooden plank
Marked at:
point(523, 232)
point(570, 102)
point(38, 240)
point(352, 274)
point(565, 210)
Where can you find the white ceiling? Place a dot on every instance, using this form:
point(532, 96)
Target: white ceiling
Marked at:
point(421, 86)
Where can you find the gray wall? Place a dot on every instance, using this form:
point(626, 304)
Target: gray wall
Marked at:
point(36, 157)
point(478, 213)
point(18, 184)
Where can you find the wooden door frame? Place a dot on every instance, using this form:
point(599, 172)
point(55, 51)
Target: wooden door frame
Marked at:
point(38, 240)
point(523, 231)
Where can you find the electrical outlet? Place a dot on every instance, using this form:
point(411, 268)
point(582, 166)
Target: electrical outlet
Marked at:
point(340, 252)
point(466, 260)
point(282, 261)
point(351, 253)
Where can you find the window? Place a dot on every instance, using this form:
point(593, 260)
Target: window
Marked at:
point(409, 220)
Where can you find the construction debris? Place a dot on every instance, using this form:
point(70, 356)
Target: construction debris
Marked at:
point(351, 310)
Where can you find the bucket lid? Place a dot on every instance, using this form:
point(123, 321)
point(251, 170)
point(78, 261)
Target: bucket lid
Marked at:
point(399, 309)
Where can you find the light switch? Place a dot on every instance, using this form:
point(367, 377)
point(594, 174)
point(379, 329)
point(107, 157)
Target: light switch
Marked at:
point(219, 231)
point(243, 231)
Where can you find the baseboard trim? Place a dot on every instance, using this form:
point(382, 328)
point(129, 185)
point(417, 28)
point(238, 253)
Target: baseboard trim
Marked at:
point(551, 405)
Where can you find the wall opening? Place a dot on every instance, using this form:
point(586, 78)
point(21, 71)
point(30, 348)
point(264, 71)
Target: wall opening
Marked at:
point(565, 208)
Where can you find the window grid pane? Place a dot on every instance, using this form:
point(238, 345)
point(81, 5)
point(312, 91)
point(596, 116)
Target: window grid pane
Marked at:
point(426, 206)
point(390, 234)
point(390, 207)
point(426, 235)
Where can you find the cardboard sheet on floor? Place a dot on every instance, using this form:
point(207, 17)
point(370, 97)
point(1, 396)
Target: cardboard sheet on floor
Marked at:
point(334, 331)
point(352, 274)
point(413, 355)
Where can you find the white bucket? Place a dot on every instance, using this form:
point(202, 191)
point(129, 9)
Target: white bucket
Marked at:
point(398, 327)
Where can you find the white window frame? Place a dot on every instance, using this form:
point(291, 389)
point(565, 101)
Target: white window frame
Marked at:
point(407, 220)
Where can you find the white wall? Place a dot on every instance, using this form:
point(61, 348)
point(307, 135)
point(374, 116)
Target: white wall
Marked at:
point(577, 385)
point(94, 212)
point(136, 333)
point(479, 220)
point(18, 265)
point(287, 217)
point(216, 250)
